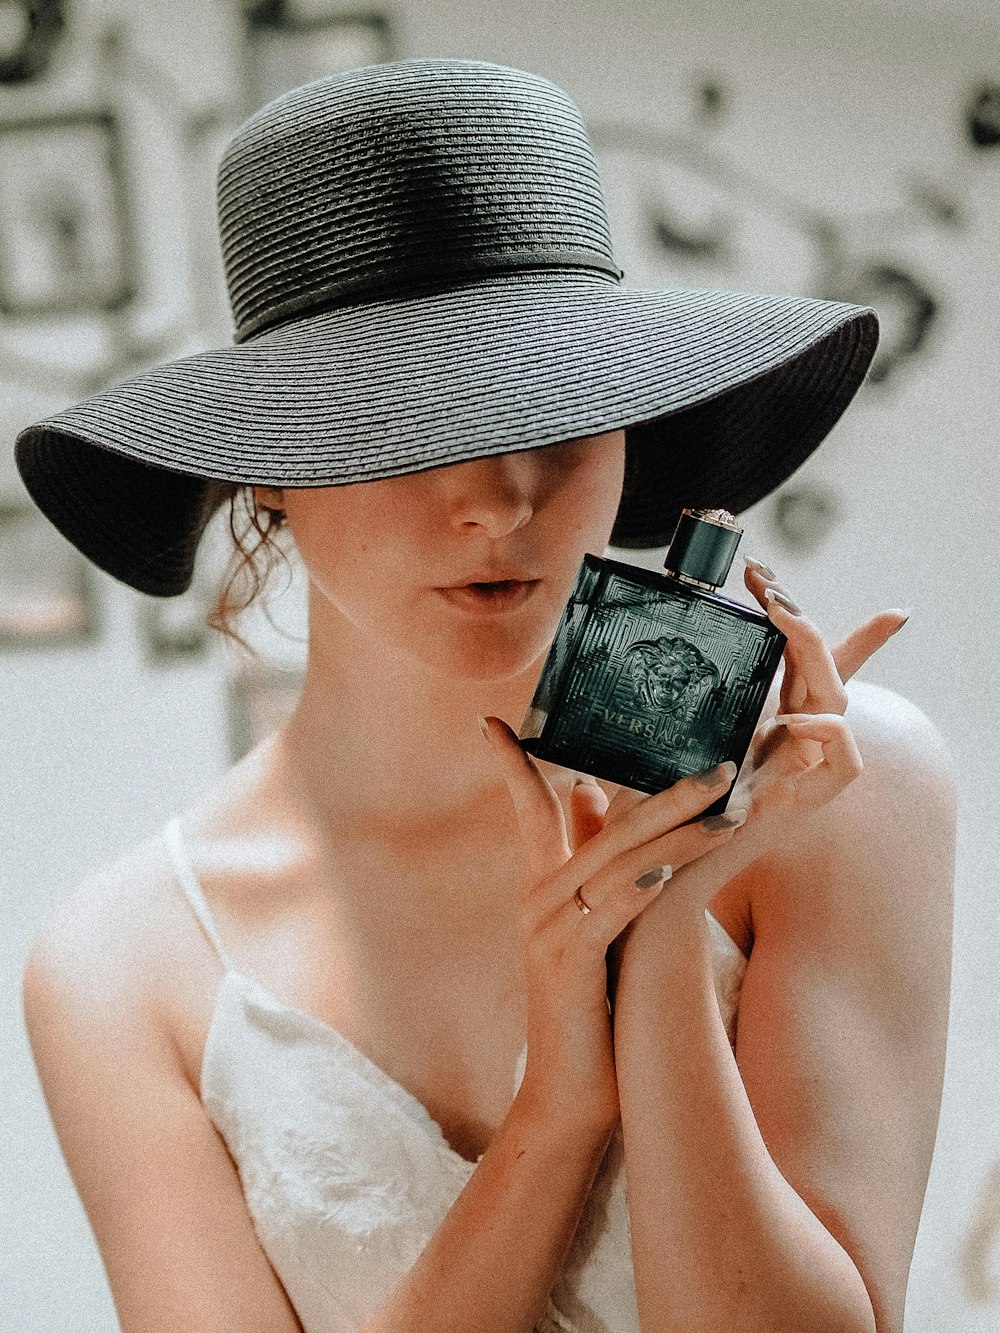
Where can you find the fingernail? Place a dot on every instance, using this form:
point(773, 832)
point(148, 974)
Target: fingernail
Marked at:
point(658, 875)
point(773, 595)
point(728, 819)
point(484, 728)
point(713, 776)
point(584, 780)
point(786, 719)
point(906, 615)
point(760, 567)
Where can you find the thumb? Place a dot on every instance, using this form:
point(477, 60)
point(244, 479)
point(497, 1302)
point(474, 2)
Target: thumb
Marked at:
point(537, 807)
point(588, 803)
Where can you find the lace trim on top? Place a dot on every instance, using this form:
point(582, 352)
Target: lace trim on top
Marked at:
point(341, 1166)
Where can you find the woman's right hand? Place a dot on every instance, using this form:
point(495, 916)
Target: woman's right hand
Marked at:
point(570, 1068)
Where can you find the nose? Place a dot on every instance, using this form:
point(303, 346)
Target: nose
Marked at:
point(496, 494)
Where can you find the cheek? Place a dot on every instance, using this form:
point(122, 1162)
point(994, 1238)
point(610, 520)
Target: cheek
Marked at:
point(591, 503)
point(344, 559)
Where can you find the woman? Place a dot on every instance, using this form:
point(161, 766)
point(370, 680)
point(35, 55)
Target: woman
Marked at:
point(321, 1112)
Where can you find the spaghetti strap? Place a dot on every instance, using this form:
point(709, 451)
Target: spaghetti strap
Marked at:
point(192, 890)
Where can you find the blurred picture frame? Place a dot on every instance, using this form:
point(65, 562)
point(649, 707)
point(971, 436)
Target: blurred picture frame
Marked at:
point(48, 595)
point(29, 38)
point(291, 42)
point(261, 697)
point(66, 237)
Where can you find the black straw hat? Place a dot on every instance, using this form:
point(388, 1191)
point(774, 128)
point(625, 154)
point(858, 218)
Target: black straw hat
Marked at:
point(420, 271)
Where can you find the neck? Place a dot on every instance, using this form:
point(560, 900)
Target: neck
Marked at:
point(386, 747)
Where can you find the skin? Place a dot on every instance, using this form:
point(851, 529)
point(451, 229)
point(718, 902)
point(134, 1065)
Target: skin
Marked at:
point(839, 1100)
point(411, 671)
point(377, 812)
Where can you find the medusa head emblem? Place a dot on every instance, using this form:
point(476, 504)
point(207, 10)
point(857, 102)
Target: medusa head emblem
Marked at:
point(669, 674)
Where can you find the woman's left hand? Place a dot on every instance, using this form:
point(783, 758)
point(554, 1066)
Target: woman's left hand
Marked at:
point(806, 754)
point(799, 760)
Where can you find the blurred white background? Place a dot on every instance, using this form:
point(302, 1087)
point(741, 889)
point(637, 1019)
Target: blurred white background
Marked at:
point(835, 147)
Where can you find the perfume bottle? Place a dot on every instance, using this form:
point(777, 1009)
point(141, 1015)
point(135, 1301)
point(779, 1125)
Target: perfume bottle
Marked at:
point(652, 677)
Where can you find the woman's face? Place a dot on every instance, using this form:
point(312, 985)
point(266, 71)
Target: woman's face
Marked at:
point(390, 556)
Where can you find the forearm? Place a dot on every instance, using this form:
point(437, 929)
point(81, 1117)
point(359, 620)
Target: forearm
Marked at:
point(492, 1263)
point(720, 1240)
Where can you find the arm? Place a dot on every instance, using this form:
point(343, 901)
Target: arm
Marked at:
point(783, 1189)
point(159, 1188)
point(165, 1201)
point(498, 1253)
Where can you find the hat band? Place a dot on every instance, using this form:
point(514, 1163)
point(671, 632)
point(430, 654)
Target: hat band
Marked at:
point(404, 279)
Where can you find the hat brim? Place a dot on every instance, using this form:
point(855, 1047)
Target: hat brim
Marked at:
point(722, 395)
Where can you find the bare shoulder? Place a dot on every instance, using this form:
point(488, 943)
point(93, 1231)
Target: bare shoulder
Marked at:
point(890, 729)
point(907, 777)
point(906, 791)
point(843, 1017)
point(102, 950)
point(124, 931)
point(87, 992)
point(881, 854)
point(161, 1191)
point(98, 924)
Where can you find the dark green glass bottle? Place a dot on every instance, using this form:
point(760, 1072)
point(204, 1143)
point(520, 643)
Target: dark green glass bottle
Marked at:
point(651, 677)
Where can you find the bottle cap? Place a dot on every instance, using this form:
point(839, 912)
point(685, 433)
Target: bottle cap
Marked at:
point(703, 546)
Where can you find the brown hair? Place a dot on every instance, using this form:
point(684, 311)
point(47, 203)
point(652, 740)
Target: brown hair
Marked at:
point(255, 556)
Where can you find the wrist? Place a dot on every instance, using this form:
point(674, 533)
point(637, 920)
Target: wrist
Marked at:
point(561, 1121)
point(669, 922)
point(673, 944)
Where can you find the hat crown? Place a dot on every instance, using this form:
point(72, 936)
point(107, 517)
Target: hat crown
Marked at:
point(387, 178)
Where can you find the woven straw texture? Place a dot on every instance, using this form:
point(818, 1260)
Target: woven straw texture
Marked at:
point(398, 174)
point(387, 206)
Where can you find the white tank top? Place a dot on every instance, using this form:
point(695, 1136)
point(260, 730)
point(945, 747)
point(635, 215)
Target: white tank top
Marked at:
point(346, 1175)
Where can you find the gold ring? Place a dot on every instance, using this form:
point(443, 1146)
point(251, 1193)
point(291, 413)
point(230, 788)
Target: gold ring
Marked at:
point(578, 899)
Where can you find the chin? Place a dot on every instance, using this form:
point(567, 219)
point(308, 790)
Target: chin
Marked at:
point(489, 667)
point(486, 660)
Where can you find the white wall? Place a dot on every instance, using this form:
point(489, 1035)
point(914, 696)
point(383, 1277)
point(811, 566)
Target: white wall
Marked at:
point(839, 106)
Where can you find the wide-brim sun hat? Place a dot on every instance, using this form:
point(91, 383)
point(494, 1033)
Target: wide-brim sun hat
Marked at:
point(420, 270)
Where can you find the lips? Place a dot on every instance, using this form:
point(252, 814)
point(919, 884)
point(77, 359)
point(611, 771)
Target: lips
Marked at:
point(490, 596)
point(488, 578)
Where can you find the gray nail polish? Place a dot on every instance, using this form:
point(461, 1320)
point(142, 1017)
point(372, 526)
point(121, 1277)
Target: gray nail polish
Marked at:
point(713, 776)
point(760, 567)
point(784, 599)
point(654, 876)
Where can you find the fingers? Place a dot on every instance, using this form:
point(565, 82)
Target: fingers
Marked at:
point(810, 677)
point(848, 656)
point(853, 652)
point(588, 809)
point(840, 762)
point(590, 930)
point(620, 889)
point(765, 741)
point(654, 832)
point(809, 656)
point(625, 852)
point(758, 577)
point(643, 864)
point(537, 807)
point(624, 799)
